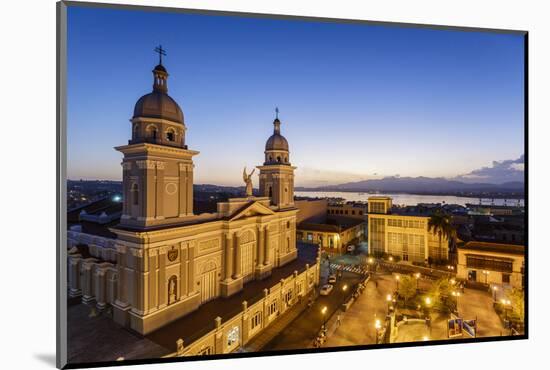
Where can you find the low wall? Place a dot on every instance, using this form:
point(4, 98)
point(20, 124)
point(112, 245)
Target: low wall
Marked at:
point(234, 333)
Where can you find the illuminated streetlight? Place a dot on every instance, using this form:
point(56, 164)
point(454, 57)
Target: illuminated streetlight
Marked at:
point(486, 273)
point(456, 294)
point(495, 289)
point(391, 258)
point(377, 326)
point(425, 338)
point(428, 301)
point(417, 276)
point(345, 287)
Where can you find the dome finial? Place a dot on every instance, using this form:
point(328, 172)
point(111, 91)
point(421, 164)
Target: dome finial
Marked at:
point(276, 122)
point(161, 52)
point(160, 74)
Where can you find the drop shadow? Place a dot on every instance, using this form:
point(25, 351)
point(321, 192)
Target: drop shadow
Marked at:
point(47, 358)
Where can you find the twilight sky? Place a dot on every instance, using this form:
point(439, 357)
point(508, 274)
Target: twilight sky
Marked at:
point(356, 101)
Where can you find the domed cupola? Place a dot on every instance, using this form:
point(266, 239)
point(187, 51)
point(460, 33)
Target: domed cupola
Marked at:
point(276, 147)
point(158, 104)
point(157, 118)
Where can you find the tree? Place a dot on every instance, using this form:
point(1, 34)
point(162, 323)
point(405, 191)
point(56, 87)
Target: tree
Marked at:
point(439, 293)
point(517, 301)
point(407, 287)
point(440, 224)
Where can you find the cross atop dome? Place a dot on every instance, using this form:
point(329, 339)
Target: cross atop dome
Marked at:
point(161, 52)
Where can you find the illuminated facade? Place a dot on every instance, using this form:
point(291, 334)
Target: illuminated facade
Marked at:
point(492, 263)
point(161, 262)
point(403, 235)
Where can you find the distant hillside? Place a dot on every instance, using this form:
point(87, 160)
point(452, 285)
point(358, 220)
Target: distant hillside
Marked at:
point(421, 185)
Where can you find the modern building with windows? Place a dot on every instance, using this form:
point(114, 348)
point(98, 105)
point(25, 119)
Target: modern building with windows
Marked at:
point(492, 263)
point(156, 263)
point(402, 232)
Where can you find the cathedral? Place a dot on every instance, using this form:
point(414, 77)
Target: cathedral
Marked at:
point(157, 261)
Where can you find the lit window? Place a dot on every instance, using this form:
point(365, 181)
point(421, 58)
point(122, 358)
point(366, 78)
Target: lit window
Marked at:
point(232, 336)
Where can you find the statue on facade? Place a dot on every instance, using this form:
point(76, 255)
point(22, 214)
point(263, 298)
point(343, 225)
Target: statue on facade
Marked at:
point(248, 181)
point(172, 289)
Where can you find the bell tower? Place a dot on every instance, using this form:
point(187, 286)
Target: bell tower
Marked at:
point(157, 167)
point(277, 174)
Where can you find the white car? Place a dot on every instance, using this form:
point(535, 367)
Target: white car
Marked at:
point(332, 279)
point(326, 289)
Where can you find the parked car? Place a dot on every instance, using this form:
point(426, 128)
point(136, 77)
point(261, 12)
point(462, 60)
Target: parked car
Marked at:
point(351, 248)
point(326, 289)
point(332, 279)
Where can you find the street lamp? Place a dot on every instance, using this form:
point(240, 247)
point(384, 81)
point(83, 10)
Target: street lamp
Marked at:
point(495, 288)
point(505, 303)
point(456, 294)
point(396, 282)
point(390, 259)
point(345, 287)
point(417, 276)
point(486, 273)
point(388, 299)
point(377, 326)
point(370, 261)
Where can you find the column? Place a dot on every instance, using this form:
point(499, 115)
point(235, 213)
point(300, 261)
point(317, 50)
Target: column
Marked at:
point(261, 246)
point(182, 189)
point(228, 256)
point(159, 196)
point(122, 298)
point(266, 247)
point(238, 261)
point(100, 286)
point(189, 209)
point(191, 269)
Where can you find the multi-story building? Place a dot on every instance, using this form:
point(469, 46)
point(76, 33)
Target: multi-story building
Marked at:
point(402, 233)
point(350, 210)
point(155, 262)
point(317, 225)
point(492, 263)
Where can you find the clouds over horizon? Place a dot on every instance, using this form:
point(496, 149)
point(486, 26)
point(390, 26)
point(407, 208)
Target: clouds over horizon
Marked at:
point(499, 172)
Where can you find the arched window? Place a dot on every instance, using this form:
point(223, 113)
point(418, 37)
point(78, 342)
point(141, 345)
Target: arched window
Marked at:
point(135, 194)
point(152, 132)
point(270, 191)
point(286, 159)
point(170, 134)
point(278, 159)
point(270, 158)
point(135, 133)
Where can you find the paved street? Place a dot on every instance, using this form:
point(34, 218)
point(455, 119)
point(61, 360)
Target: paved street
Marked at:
point(475, 303)
point(302, 331)
point(357, 324)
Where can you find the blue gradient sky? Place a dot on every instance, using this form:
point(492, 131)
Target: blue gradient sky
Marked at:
point(356, 101)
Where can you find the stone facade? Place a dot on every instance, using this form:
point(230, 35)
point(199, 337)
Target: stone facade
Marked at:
point(164, 261)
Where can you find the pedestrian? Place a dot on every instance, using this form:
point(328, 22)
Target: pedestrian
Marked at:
point(338, 320)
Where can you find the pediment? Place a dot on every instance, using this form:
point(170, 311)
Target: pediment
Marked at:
point(253, 209)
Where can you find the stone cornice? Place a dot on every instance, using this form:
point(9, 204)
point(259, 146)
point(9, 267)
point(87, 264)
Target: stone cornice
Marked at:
point(156, 149)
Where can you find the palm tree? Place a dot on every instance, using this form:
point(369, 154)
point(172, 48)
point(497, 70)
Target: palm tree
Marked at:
point(440, 224)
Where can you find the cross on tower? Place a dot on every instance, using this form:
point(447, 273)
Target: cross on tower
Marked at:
point(276, 112)
point(161, 52)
